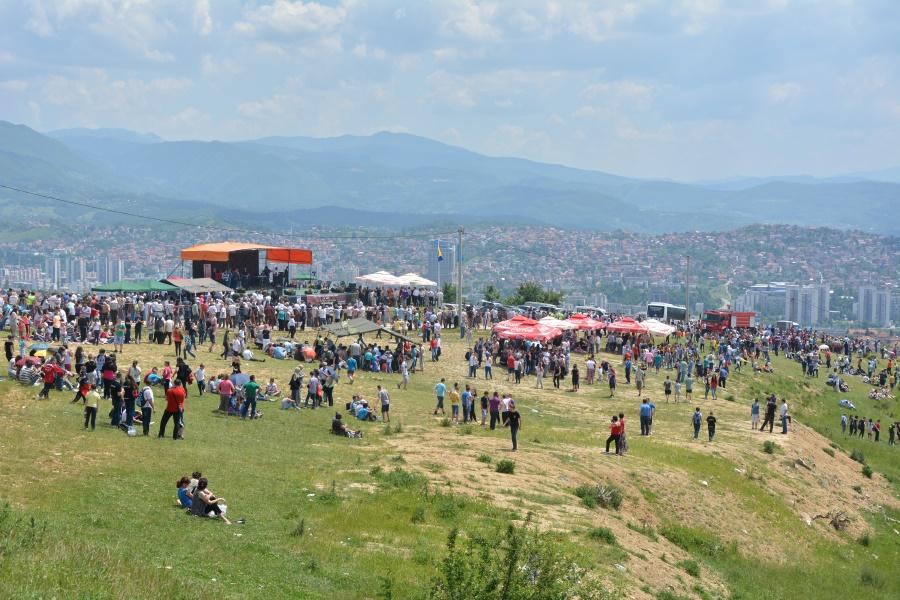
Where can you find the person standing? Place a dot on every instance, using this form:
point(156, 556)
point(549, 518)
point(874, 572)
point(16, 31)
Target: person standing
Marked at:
point(539, 375)
point(575, 377)
point(770, 414)
point(667, 388)
point(91, 405)
point(404, 373)
point(174, 409)
point(843, 424)
point(646, 414)
point(117, 396)
point(785, 417)
point(612, 381)
point(697, 421)
point(754, 414)
point(710, 425)
point(514, 420)
point(129, 394)
point(385, 400)
point(440, 390)
point(312, 390)
point(147, 407)
point(251, 392)
point(639, 379)
point(454, 403)
point(613, 434)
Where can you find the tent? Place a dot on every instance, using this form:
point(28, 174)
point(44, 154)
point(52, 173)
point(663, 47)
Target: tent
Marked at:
point(535, 332)
point(656, 327)
point(416, 280)
point(584, 322)
point(200, 285)
point(514, 322)
point(360, 326)
point(222, 252)
point(382, 278)
point(561, 325)
point(144, 285)
point(626, 325)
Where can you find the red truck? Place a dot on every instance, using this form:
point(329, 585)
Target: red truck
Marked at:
point(720, 320)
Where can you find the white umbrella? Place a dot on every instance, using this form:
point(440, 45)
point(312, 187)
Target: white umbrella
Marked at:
point(562, 325)
point(658, 327)
point(416, 280)
point(824, 347)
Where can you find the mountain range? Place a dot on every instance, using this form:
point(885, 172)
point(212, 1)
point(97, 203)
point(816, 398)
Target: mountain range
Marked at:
point(398, 179)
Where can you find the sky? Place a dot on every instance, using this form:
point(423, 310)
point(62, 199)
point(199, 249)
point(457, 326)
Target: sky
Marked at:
point(680, 89)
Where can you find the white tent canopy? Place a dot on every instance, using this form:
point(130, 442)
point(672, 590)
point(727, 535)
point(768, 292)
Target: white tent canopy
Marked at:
point(380, 278)
point(658, 327)
point(562, 325)
point(416, 280)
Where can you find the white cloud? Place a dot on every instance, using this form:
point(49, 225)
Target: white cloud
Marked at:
point(781, 93)
point(449, 89)
point(14, 85)
point(6, 58)
point(623, 94)
point(203, 21)
point(39, 21)
point(287, 17)
point(696, 14)
point(473, 20)
point(277, 105)
point(211, 67)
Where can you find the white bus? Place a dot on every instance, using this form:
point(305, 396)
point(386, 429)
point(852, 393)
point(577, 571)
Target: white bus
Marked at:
point(666, 312)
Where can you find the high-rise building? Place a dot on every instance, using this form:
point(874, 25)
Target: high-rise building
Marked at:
point(441, 266)
point(116, 269)
point(52, 270)
point(801, 304)
point(873, 306)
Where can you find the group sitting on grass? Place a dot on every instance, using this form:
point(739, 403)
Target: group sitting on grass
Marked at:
point(195, 496)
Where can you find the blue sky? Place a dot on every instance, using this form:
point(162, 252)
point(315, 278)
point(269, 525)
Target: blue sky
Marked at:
point(684, 89)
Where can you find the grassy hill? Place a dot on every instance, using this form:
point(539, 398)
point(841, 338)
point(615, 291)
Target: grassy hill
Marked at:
point(92, 514)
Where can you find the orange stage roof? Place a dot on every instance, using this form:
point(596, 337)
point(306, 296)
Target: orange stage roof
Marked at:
point(220, 251)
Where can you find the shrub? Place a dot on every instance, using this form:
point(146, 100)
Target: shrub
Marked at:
point(401, 478)
point(690, 567)
point(870, 578)
point(376, 471)
point(484, 458)
point(534, 565)
point(858, 456)
point(603, 534)
point(606, 495)
point(644, 529)
point(506, 466)
point(418, 515)
point(857, 489)
point(696, 541)
point(864, 540)
point(867, 471)
point(398, 428)
point(300, 529)
point(828, 451)
point(769, 447)
point(446, 422)
point(387, 429)
point(465, 430)
point(730, 397)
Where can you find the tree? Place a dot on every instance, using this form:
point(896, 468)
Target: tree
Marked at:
point(491, 293)
point(531, 291)
point(449, 291)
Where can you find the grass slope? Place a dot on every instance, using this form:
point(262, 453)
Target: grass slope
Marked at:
point(92, 514)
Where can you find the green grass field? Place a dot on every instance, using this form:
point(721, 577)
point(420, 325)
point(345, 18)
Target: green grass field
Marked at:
point(92, 515)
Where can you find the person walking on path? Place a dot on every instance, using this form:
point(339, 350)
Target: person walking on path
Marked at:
point(647, 409)
point(697, 420)
point(612, 382)
point(711, 425)
point(385, 399)
point(514, 420)
point(440, 390)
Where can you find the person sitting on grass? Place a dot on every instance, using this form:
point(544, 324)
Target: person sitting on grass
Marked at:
point(272, 391)
point(205, 503)
point(338, 427)
point(185, 498)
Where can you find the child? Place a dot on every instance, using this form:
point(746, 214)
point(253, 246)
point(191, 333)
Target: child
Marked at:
point(677, 391)
point(84, 387)
point(200, 376)
point(92, 402)
point(272, 391)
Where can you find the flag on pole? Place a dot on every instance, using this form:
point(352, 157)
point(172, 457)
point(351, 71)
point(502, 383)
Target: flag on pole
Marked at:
point(440, 255)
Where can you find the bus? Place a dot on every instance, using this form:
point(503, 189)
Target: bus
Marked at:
point(666, 312)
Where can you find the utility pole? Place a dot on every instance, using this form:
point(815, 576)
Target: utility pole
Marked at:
point(459, 278)
point(687, 289)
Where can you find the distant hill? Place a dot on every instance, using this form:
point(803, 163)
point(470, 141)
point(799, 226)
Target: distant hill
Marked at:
point(401, 174)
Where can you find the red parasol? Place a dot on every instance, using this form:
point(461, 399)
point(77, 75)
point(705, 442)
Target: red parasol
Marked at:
point(626, 325)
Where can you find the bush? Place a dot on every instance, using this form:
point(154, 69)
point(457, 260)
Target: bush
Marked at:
point(465, 430)
point(607, 496)
point(696, 541)
point(300, 529)
point(864, 540)
point(867, 471)
point(376, 471)
point(446, 422)
point(506, 466)
point(769, 447)
point(828, 451)
point(603, 534)
point(870, 578)
point(401, 478)
point(857, 489)
point(644, 529)
point(858, 456)
point(484, 458)
point(418, 515)
point(534, 565)
point(690, 567)
point(387, 429)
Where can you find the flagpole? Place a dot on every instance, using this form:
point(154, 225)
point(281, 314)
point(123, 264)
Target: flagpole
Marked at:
point(438, 261)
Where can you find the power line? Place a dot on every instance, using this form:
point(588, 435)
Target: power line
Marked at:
point(225, 229)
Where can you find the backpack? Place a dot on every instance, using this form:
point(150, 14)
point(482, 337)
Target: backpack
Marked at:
point(696, 418)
